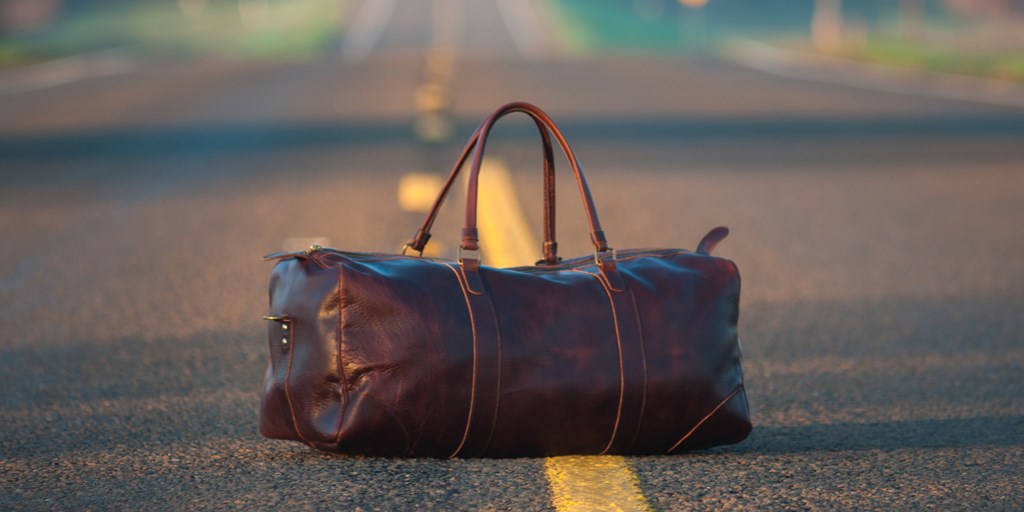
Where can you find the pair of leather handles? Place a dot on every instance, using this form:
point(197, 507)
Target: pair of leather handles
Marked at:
point(470, 236)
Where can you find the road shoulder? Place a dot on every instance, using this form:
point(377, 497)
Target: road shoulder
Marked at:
point(835, 70)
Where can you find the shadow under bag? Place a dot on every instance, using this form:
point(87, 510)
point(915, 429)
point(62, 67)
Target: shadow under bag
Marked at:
point(618, 352)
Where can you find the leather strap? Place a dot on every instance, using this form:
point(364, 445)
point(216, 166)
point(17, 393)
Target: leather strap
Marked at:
point(632, 364)
point(469, 239)
point(486, 381)
point(550, 247)
point(710, 240)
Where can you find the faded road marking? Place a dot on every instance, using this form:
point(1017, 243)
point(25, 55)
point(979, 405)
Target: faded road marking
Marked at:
point(65, 71)
point(418, 190)
point(366, 29)
point(524, 26)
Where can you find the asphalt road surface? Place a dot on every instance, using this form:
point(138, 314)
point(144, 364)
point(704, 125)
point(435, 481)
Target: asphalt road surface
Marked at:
point(880, 237)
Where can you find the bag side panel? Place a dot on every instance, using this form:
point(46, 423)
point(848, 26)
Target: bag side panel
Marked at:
point(303, 394)
point(689, 307)
point(407, 346)
point(728, 424)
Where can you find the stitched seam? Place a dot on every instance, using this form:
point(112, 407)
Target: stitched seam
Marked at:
point(462, 270)
point(287, 385)
point(307, 256)
point(676, 252)
point(316, 260)
point(622, 370)
point(643, 360)
point(472, 391)
point(497, 397)
point(266, 375)
point(341, 367)
point(608, 282)
point(628, 257)
point(601, 277)
point(709, 415)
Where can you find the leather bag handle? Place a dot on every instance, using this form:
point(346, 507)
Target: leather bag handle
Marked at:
point(470, 235)
point(550, 247)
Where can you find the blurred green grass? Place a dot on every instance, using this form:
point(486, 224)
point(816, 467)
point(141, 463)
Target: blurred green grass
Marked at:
point(1004, 64)
point(246, 28)
point(586, 27)
point(595, 27)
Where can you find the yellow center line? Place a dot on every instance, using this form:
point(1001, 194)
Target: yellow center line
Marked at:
point(594, 483)
point(505, 237)
point(417, 191)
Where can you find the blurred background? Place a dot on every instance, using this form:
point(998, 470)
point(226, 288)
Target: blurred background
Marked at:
point(868, 156)
point(968, 36)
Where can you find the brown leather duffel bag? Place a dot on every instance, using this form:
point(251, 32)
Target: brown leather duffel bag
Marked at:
point(627, 352)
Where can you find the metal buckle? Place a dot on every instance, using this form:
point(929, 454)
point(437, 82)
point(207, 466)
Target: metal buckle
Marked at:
point(479, 255)
point(597, 256)
point(406, 247)
point(286, 329)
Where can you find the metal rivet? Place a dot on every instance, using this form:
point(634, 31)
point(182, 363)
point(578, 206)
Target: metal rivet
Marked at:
point(284, 327)
point(284, 341)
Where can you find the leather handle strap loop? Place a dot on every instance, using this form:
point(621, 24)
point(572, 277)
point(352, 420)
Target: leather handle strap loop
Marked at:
point(550, 247)
point(469, 238)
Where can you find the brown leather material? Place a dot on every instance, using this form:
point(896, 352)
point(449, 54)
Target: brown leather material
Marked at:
point(596, 235)
point(550, 246)
point(712, 239)
point(632, 364)
point(469, 269)
point(619, 352)
point(486, 378)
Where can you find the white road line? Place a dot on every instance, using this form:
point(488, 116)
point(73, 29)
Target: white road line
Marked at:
point(524, 26)
point(64, 71)
point(862, 75)
point(366, 29)
point(447, 28)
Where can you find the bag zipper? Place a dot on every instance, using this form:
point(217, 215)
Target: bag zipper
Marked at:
point(578, 262)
